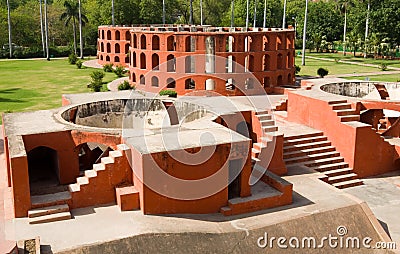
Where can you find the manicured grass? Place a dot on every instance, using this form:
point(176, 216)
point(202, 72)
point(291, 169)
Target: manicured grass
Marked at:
point(384, 78)
point(312, 65)
point(27, 85)
point(359, 59)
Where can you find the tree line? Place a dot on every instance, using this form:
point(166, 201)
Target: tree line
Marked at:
point(331, 24)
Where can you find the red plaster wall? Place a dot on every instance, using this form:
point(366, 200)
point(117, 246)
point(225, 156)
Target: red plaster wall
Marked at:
point(361, 147)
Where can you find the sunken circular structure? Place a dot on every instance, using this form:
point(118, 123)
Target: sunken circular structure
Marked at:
point(131, 113)
point(364, 89)
point(183, 58)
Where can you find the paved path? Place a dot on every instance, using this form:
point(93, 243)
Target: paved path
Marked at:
point(92, 64)
point(113, 85)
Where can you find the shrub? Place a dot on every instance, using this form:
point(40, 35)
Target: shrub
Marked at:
point(97, 80)
point(383, 66)
point(322, 72)
point(72, 58)
point(120, 71)
point(170, 93)
point(126, 86)
point(297, 69)
point(79, 64)
point(108, 67)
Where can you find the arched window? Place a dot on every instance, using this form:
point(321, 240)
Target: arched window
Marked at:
point(101, 57)
point(266, 44)
point(135, 41)
point(190, 83)
point(116, 59)
point(155, 43)
point(280, 80)
point(249, 84)
point(108, 35)
point(117, 48)
point(267, 82)
point(142, 61)
point(102, 34)
point(133, 77)
point(126, 48)
point(155, 60)
point(289, 60)
point(102, 47)
point(108, 48)
point(171, 83)
point(133, 59)
point(117, 35)
point(266, 62)
point(154, 81)
point(142, 80)
point(280, 61)
point(171, 63)
point(190, 45)
point(126, 59)
point(289, 79)
point(127, 35)
point(143, 41)
point(230, 84)
point(107, 59)
point(250, 63)
point(189, 64)
point(171, 43)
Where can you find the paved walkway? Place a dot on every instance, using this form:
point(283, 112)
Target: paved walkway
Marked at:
point(92, 64)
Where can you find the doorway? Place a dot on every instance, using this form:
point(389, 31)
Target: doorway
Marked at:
point(235, 168)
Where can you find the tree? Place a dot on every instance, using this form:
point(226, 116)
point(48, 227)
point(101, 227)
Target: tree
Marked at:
point(71, 14)
point(343, 6)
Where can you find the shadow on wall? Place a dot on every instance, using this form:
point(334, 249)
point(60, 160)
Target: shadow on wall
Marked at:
point(298, 201)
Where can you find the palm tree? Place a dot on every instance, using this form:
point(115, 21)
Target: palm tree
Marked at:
point(303, 57)
point(112, 13)
point(344, 5)
point(80, 29)
point(284, 14)
point(366, 28)
point(191, 13)
point(46, 31)
point(9, 28)
point(72, 14)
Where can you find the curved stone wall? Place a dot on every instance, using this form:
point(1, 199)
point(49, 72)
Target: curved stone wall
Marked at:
point(228, 61)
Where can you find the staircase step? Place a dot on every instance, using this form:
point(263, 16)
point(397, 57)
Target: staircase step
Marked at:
point(263, 112)
point(350, 118)
point(345, 112)
point(74, 187)
point(341, 106)
point(299, 153)
point(82, 180)
point(308, 135)
point(270, 128)
point(48, 210)
point(310, 157)
point(289, 148)
point(347, 184)
point(267, 123)
point(305, 140)
point(341, 178)
point(50, 199)
point(255, 152)
point(339, 171)
point(90, 173)
point(259, 146)
point(337, 102)
point(50, 218)
point(332, 166)
point(324, 161)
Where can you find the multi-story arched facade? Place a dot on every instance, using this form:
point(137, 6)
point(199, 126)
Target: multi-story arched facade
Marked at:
point(228, 61)
point(113, 45)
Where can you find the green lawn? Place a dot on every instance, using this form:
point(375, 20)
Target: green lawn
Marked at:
point(27, 85)
point(384, 78)
point(312, 65)
point(359, 59)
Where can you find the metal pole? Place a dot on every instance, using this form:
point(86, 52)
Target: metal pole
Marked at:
point(46, 30)
point(255, 13)
point(80, 30)
point(265, 14)
point(284, 15)
point(112, 13)
point(9, 28)
point(233, 14)
point(366, 30)
point(303, 59)
point(41, 28)
point(201, 12)
point(191, 13)
point(163, 12)
point(247, 14)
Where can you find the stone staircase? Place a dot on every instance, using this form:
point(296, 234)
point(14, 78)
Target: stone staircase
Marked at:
point(50, 207)
point(316, 152)
point(268, 129)
point(97, 185)
point(344, 111)
point(281, 105)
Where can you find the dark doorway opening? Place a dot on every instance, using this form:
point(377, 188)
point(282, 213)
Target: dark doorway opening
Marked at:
point(43, 170)
point(235, 168)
